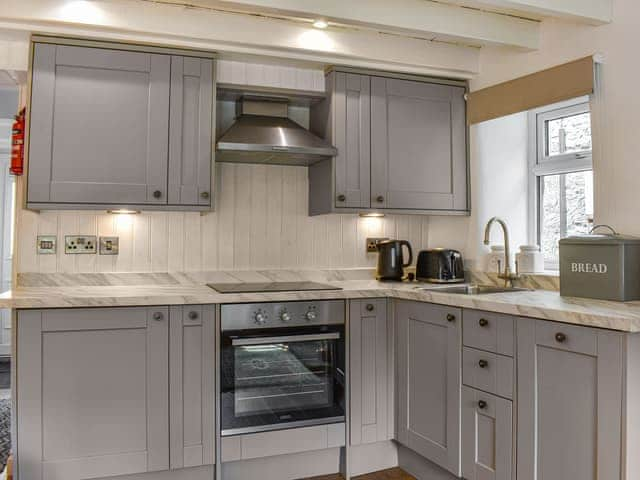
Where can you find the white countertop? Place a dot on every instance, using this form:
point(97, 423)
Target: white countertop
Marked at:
point(187, 290)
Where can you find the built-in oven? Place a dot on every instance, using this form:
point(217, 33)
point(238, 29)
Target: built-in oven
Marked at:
point(283, 365)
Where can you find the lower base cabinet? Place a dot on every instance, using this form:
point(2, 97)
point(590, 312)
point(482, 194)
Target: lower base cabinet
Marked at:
point(487, 436)
point(428, 381)
point(95, 397)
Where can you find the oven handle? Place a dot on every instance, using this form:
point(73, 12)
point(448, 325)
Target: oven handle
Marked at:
point(285, 339)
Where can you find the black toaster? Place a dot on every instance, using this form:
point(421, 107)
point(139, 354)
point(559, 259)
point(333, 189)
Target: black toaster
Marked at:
point(440, 265)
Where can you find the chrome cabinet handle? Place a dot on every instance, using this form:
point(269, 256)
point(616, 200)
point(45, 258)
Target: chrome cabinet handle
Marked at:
point(157, 316)
point(193, 315)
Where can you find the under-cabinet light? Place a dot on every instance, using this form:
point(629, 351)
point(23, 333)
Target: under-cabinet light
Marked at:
point(372, 215)
point(123, 211)
point(321, 24)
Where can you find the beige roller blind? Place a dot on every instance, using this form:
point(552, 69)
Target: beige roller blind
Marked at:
point(556, 84)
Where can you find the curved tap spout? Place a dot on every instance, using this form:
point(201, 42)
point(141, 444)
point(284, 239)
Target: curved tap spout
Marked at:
point(507, 275)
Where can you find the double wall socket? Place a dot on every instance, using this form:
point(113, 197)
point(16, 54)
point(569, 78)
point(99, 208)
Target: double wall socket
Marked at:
point(372, 243)
point(80, 244)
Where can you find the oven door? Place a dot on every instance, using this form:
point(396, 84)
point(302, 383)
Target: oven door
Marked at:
point(282, 378)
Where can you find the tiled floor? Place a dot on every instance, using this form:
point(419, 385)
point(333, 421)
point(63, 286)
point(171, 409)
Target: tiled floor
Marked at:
point(391, 474)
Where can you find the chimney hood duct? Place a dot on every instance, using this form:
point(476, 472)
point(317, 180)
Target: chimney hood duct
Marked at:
point(264, 134)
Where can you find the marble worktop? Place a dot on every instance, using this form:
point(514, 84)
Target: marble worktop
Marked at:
point(140, 289)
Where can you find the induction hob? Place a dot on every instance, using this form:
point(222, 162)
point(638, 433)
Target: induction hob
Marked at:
point(259, 287)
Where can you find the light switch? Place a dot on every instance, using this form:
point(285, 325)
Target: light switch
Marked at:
point(109, 245)
point(46, 244)
point(80, 244)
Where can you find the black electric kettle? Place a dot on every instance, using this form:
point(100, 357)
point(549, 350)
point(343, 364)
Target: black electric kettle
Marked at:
point(390, 261)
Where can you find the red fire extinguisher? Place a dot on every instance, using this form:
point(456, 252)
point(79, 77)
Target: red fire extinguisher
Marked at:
point(17, 144)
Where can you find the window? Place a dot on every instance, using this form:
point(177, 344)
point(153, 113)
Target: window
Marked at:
point(561, 180)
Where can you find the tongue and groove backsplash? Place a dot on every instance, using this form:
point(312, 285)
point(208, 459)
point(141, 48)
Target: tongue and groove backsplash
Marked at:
point(260, 222)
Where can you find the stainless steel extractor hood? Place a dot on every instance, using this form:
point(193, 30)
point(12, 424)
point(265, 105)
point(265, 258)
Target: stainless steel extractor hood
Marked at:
point(262, 133)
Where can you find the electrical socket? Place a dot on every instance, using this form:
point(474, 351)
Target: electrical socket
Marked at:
point(372, 243)
point(80, 244)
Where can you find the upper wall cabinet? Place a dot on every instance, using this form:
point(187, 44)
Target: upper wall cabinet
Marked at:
point(402, 146)
point(111, 128)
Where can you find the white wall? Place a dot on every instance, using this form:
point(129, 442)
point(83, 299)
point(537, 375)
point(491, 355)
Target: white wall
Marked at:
point(498, 188)
point(260, 221)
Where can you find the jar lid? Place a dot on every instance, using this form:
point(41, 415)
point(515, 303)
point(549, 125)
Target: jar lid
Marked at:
point(497, 248)
point(529, 248)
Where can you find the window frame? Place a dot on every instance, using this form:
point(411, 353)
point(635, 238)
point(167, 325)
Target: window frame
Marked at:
point(541, 165)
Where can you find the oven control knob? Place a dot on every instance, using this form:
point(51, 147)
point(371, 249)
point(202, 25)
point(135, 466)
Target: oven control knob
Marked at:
point(260, 318)
point(311, 315)
point(285, 316)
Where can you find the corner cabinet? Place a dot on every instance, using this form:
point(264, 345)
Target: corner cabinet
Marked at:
point(113, 128)
point(402, 146)
point(428, 381)
point(105, 392)
point(570, 402)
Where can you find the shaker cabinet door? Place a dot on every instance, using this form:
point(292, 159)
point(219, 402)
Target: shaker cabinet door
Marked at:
point(487, 436)
point(352, 135)
point(428, 381)
point(190, 142)
point(369, 379)
point(418, 145)
point(99, 123)
point(570, 383)
point(192, 367)
point(92, 392)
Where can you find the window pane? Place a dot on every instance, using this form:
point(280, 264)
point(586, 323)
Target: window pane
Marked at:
point(569, 134)
point(550, 216)
point(566, 208)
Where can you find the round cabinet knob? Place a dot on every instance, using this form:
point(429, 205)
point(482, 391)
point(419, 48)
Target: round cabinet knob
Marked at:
point(157, 316)
point(482, 404)
point(193, 315)
point(157, 194)
point(204, 195)
point(483, 322)
point(379, 199)
point(450, 317)
point(370, 307)
point(260, 318)
point(483, 364)
point(342, 198)
point(311, 315)
point(561, 337)
point(285, 316)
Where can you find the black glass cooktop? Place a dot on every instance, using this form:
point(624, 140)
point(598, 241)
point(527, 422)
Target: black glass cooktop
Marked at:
point(270, 287)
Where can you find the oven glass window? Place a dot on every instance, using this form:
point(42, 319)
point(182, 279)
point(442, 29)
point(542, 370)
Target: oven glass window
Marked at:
point(270, 383)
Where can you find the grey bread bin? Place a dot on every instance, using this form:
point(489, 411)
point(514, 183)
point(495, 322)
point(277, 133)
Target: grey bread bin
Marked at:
point(604, 267)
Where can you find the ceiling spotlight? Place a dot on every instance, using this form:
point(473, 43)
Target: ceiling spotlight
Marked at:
point(321, 24)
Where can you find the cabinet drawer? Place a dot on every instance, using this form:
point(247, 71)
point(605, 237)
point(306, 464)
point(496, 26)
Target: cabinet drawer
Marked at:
point(567, 337)
point(488, 331)
point(488, 372)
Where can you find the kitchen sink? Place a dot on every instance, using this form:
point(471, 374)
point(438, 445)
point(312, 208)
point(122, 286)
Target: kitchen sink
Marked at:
point(474, 289)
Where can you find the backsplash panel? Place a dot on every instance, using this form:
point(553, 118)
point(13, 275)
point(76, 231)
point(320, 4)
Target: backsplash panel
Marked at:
point(260, 222)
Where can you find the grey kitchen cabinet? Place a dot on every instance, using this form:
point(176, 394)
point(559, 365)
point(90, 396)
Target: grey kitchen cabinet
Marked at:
point(190, 127)
point(487, 436)
point(418, 145)
point(428, 381)
point(402, 145)
point(92, 392)
point(369, 372)
point(570, 402)
point(116, 128)
point(192, 385)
